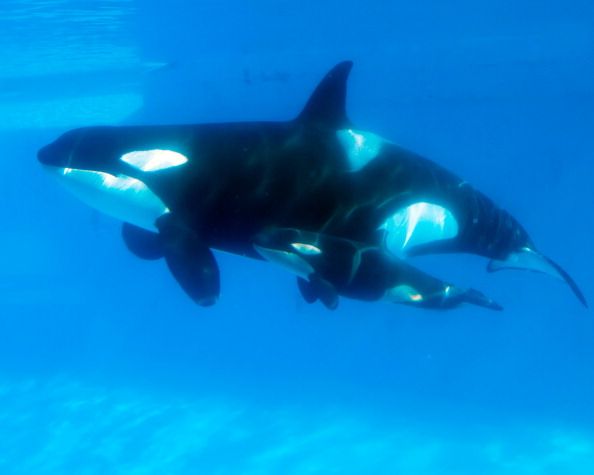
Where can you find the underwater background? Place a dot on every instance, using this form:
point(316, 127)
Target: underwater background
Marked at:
point(106, 367)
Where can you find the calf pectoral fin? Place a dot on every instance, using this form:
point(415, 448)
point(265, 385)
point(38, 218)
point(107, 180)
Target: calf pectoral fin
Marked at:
point(306, 290)
point(142, 243)
point(529, 259)
point(298, 252)
point(191, 262)
point(317, 288)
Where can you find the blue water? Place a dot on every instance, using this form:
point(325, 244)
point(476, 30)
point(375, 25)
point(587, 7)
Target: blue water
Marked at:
point(107, 368)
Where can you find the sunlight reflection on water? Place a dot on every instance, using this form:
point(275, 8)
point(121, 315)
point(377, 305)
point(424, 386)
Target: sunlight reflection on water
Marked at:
point(57, 36)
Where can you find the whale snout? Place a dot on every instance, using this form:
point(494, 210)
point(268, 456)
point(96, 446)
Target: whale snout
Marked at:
point(61, 151)
point(44, 155)
point(50, 156)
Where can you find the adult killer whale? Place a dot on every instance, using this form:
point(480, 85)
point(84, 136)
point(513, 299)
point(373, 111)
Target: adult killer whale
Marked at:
point(184, 189)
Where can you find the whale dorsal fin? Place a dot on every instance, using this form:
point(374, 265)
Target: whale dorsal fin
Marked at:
point(327, 104)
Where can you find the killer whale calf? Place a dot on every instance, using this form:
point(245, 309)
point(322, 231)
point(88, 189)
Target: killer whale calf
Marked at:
point(182, 190)
point(328, 266)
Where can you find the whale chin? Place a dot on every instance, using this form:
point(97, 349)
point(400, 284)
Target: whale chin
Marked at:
point(122, 197)
point(529, 259)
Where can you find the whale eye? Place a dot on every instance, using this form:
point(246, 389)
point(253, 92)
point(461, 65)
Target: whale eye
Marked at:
point(306, 249)
point(360, 147)
point(153, 160)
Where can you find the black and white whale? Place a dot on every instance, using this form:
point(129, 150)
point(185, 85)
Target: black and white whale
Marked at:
point(328, 266)
point(183, 190)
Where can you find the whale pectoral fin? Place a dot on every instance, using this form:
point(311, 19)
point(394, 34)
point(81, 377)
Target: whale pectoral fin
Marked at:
point(191, 262)
point(142, 243)
point(324, 291)
point(529, 259)
point(196, 271)
point(298, 252)
point(306, 290)
point(317, 288)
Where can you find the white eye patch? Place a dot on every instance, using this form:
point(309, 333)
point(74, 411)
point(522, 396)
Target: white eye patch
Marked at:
point(306, 249)
point(153, 160)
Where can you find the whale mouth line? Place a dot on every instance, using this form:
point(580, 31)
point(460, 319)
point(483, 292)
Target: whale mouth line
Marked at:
point(531, 260)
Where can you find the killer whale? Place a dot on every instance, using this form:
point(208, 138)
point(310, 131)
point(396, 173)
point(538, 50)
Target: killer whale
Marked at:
point(328, 266)
point(183, 190)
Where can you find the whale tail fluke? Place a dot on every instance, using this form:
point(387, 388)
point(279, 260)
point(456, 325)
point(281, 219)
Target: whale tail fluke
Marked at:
point(529, 259)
